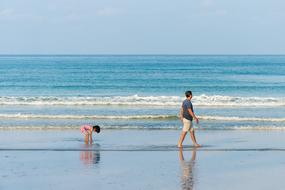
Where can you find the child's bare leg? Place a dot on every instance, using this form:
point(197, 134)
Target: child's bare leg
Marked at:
point(86, 139)
point(90, 138)
point(193, 138)
point(182, 137)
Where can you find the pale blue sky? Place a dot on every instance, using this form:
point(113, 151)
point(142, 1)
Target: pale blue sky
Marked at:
point(142, 27)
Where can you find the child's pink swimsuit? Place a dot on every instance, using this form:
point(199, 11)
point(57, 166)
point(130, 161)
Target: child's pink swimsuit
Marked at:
point(85, 129)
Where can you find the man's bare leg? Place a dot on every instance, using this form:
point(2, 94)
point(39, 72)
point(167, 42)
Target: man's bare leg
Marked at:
point(182, 137)
point(193, 138)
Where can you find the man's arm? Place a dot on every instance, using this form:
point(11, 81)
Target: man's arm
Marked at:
point(193, 115)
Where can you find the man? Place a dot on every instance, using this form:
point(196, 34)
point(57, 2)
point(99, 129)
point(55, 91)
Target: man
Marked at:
point(186, 116)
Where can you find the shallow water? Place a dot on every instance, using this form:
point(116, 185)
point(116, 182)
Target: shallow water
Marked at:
point(148, 159)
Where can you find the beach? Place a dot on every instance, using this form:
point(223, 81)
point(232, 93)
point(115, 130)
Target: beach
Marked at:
point(141, 159)
point(136, 99)
point(135, 77)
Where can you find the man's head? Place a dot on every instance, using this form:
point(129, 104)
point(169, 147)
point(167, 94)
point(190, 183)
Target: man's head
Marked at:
point(96, 128)
point(188, 94)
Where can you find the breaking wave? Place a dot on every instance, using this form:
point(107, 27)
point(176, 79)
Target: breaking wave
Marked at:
point(201, 100)
point(142, 117)
point(245, 127)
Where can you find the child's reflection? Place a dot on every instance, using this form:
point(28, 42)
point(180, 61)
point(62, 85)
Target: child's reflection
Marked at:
point(187, 167)
point(91, 155)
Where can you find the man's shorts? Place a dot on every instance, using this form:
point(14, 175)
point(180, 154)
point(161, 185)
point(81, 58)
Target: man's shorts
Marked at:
point(187, 125)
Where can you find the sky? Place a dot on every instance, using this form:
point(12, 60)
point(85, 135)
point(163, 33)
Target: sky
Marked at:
point(142, 27)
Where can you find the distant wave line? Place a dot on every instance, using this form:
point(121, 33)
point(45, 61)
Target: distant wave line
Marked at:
point(34, 116)
point(233, 118)
point(143, 117)
point(199, 100)
point(247, 127)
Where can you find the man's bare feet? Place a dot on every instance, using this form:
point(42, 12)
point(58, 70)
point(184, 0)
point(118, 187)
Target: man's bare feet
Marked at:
point(179, 145)
point(197, 145)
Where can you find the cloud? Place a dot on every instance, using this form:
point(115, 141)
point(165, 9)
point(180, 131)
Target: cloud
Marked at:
point(15, 15)
point(7, 12)
point(108, 12)
point(207, 3)
point(212, 8)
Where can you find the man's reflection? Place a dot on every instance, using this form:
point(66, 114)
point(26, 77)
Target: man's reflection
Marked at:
point(90, 156)
point(187, 167)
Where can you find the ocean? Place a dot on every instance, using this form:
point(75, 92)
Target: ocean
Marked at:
point(141, 91)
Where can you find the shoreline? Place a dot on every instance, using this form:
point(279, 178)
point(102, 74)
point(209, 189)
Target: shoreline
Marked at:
point(136, 159)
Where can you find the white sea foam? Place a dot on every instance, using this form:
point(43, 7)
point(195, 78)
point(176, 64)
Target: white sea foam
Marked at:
point(115, 100)
point(143, 117)
point(233, 119)
point(245, 127)
point(201, 100)
point(36, 116)
point(217, 100)
point(53, 127)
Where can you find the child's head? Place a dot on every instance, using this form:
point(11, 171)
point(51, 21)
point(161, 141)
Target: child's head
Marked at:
point(96, 128)
point(188, 94)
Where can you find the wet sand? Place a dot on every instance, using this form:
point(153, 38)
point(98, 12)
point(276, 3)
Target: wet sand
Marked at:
point(141, 159)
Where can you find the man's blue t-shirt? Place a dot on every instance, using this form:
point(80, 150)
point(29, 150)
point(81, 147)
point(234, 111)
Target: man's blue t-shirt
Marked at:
point(187, 105)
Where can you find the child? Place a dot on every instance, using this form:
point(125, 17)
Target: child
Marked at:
point(186, 116)
point(87, 131)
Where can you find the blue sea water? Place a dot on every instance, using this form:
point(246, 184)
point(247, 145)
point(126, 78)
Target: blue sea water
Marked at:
point(141, 91)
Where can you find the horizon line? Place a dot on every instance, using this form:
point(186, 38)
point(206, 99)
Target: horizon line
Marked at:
point(162, 54)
